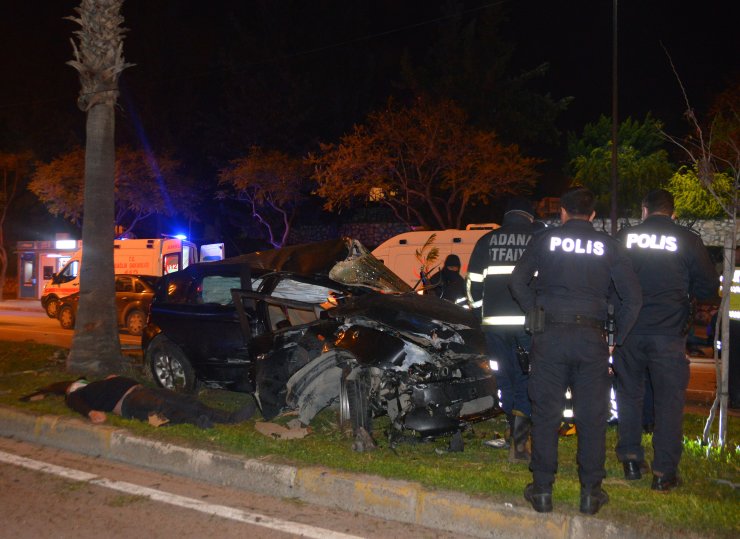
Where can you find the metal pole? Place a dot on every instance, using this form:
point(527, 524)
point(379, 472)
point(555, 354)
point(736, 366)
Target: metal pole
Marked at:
point(615, 124)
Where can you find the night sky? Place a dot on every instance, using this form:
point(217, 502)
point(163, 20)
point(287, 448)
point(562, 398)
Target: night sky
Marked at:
point(325, 64)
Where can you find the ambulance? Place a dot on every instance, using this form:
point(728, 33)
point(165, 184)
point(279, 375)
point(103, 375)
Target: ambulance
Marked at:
point(154, 257)
point(399, 252)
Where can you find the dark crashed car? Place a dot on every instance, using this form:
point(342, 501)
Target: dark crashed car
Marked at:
point(322, 324)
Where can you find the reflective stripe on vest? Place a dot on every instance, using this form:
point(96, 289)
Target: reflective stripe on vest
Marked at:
point(503, 320)
point(498, 270)
point(475, 277)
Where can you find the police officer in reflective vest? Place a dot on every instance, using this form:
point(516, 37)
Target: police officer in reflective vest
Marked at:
point(502, 320)
point(672, 264)
point(563, 281)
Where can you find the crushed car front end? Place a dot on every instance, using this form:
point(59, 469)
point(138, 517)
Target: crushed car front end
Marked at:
point(423, 359)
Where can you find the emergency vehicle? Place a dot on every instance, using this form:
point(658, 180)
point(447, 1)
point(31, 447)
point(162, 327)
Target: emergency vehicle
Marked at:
point(154, 257)
point(399, 252)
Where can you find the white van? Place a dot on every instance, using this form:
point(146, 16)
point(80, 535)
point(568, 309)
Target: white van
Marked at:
point(155, 257)
point(399, 252)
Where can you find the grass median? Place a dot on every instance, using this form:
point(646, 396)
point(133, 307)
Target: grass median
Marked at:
point(706, 505)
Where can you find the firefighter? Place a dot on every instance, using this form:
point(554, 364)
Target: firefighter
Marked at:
point(673, 265)
point(567, 307)
point(502, 320)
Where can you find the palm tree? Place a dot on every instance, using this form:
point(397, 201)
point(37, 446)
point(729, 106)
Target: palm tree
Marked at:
point(96, 348)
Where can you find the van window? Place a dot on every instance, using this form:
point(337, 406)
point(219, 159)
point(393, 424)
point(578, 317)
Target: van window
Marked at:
point(70, 272)
point(170, 263)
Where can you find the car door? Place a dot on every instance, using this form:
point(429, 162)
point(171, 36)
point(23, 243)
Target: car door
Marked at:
point(124, 296)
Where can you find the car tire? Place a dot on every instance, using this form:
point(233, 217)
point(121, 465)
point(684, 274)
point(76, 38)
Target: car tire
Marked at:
point(52, 307)
point(345, 418)
point(136, 322)
point(67, 317)
point(169, 366)
point(358, 399)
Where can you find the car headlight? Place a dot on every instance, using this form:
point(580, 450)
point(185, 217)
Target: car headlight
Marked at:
point(493, 365)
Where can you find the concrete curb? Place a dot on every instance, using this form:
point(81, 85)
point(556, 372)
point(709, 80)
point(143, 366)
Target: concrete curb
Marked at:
point(402, 501)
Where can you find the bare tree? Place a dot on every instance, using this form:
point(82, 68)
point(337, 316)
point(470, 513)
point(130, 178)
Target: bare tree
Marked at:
point(96, 347)
point(714, 148)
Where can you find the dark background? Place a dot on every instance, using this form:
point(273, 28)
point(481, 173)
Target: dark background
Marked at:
point(213, 78)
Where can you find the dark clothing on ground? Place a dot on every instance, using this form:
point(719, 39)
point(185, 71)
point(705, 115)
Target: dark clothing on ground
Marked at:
point(502, 320)
point(673, 265)
point(141, 402)
point(102, 395)
point(576, 268)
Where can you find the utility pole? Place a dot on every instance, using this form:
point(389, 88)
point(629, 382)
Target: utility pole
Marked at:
point(615, 123)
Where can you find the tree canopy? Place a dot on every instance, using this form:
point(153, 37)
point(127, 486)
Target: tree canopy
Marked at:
point(693, 200)
point(642, 163)
point(272, 184)
point(424, 161)
point(144, 185)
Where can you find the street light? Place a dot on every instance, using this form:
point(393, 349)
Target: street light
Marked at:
point(615, 124)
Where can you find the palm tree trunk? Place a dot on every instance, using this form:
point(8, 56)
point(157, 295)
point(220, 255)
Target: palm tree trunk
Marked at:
point(96, 347)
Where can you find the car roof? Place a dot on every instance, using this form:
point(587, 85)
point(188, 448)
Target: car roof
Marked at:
point(304, 259)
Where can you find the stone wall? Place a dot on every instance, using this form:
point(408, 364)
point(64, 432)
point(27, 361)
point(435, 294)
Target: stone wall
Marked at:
point(370, 234)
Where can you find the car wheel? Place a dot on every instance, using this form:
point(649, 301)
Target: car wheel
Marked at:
point(358, 399)
point(67, 317)
point(52, 307)
point(169, 366)
point(345, 419)
point(135, 322)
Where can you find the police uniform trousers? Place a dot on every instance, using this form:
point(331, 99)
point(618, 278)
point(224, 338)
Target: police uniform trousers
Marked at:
point(512, 381)
point(572, 356)
point(664, 357)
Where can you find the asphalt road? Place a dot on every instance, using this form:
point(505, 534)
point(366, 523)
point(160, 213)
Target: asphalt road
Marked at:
point(34, 325)
point(46, 492)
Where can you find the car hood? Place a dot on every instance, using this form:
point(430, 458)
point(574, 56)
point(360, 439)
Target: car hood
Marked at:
point(407, 312)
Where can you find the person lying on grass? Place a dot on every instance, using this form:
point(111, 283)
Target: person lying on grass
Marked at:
point(129, 399)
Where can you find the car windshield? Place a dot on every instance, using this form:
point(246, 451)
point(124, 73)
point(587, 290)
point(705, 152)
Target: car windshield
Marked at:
point(361, 268)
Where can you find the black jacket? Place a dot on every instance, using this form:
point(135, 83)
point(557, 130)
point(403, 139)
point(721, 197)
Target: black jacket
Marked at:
point(672, 264)
point(489, 270)
point(576, 268)
point(449, 285)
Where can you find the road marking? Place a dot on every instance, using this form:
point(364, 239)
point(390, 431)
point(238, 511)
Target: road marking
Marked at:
point(222, 511)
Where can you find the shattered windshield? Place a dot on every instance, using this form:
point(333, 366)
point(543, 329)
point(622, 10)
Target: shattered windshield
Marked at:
point(361, 268)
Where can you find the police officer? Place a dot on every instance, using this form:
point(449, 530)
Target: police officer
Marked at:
point(672, 264)
point(502, 320)
point(448, 283)
point(563, 282)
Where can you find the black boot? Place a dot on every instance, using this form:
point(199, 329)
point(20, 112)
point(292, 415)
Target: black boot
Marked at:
point(592, 499)
point(519, 451)
point(539, 496)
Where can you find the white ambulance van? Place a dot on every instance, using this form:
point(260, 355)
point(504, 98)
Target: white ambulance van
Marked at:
point(155, 257)
point(399, 252)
